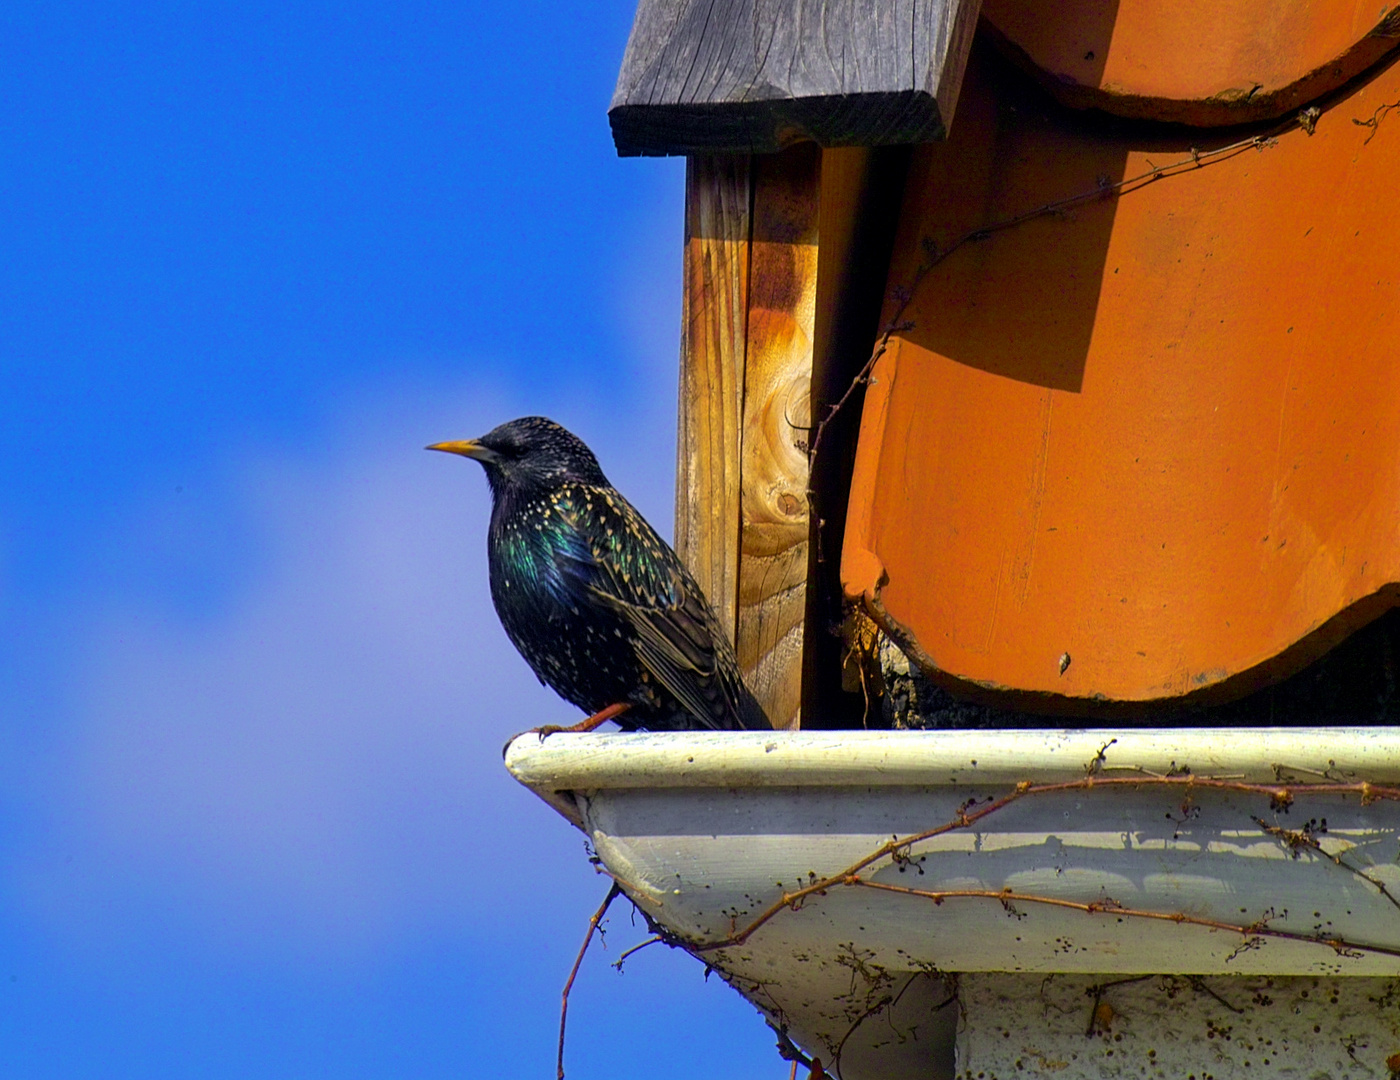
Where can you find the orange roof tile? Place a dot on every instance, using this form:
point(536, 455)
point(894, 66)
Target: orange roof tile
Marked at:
point(1158, 433)
point(1194, 61)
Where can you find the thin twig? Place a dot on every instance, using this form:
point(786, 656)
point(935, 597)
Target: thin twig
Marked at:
point(613, 893)
point(1329, 773)
point(1008, 899)
point(1374, 123)
point(1097, 993)
point(870, 1010)
point(1295, 840)
point(636, 948)
point(887, 1002)
point(1199, 985)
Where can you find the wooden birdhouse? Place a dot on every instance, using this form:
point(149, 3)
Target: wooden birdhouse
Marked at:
point(1040, 395)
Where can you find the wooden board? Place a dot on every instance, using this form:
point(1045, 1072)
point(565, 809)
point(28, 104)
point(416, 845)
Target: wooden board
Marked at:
point(776, 322)
point(758, 75)
point(777, 406)
point(746, 364)
point(713, 323)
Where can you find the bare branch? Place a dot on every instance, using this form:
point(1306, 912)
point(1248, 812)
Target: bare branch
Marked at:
point(613, 893)
point(636, 948)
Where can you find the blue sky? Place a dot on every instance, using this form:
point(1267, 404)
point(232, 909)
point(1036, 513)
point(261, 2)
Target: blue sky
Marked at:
point(253, 257)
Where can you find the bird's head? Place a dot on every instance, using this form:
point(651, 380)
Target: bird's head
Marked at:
point(532, 453)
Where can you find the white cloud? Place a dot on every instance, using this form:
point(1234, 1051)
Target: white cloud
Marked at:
point(318, 762)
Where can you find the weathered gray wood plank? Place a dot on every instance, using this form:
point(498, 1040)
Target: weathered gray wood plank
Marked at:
point(758, 75)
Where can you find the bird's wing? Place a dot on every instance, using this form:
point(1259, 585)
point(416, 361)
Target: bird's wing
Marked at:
point(675, 646)
point(676, 635)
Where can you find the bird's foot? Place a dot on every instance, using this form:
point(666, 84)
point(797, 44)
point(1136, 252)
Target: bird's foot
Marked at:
point(602, 716)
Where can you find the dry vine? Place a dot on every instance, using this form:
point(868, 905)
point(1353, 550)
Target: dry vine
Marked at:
point(614, 891)
point(1281, 796)
point(1097, 1018)
point(1374, 122)
point(889, 1002)
point(1297, 840)
point(899, 852)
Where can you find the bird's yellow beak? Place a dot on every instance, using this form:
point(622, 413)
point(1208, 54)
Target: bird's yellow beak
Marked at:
point(467, 448)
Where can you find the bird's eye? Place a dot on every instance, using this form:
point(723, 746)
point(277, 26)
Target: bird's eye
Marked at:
point(502, 448)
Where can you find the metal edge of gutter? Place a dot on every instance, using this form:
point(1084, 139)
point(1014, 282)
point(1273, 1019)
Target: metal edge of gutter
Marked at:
point(566, 763)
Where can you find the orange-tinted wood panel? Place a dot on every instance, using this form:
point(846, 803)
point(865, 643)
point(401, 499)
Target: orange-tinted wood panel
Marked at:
point(777, 395)
point(1195, 61)
point(1159, 435)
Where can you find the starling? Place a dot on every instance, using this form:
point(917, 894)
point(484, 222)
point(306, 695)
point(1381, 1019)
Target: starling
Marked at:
point(599, 606)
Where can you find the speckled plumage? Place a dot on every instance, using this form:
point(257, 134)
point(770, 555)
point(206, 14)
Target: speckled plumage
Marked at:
point(597, 603)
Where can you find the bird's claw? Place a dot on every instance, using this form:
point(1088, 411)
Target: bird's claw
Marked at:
point(543, 732)
point(602, 716)
point(590, 723)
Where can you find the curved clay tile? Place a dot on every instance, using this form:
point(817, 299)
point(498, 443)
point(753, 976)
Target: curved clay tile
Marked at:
point(1148, 447)
point(1203, 62)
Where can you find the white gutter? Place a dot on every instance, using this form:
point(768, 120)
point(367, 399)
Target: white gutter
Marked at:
point(889, 758)
point(1156, 845)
